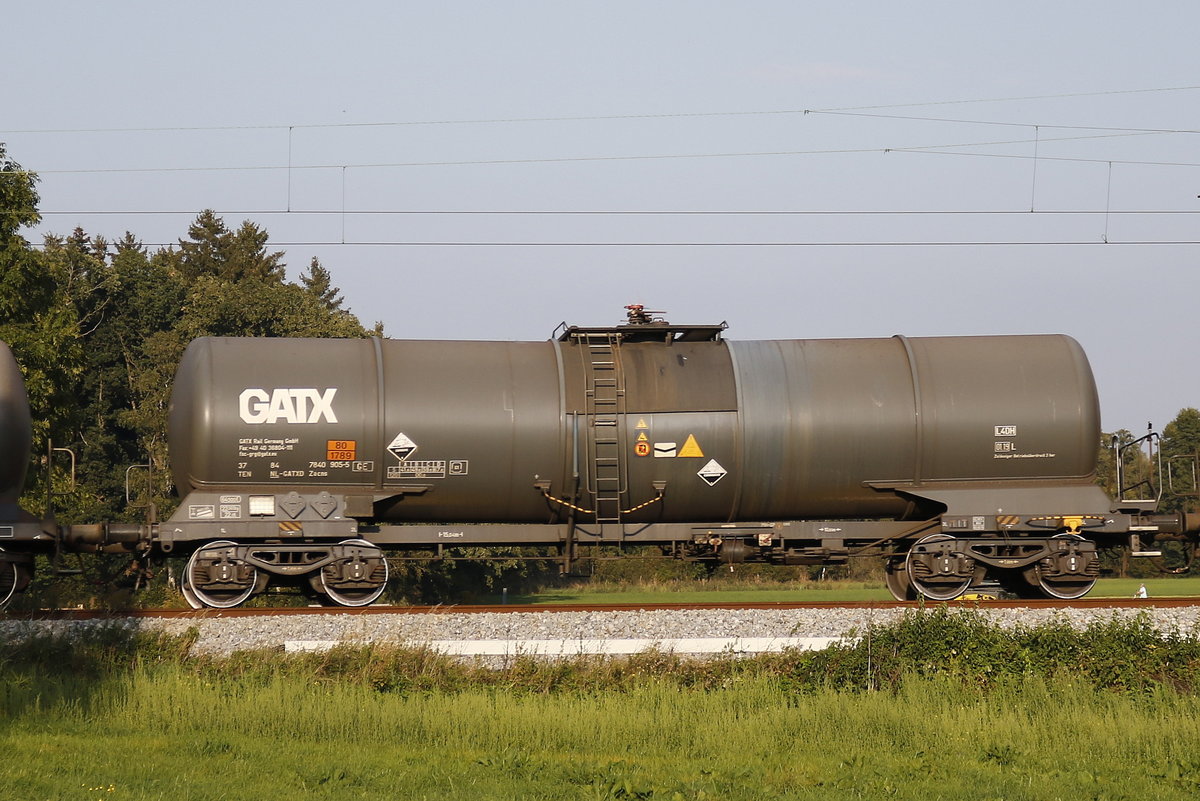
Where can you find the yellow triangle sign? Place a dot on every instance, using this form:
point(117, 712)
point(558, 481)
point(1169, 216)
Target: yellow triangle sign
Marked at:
point(691, 447)
point(642, 437)
point(641, 423)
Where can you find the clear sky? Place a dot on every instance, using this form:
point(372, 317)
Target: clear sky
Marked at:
point(493, 169)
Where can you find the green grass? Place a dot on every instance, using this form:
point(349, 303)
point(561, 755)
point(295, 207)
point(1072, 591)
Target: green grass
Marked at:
point(168, 733)
point(833, 592)
point(939, 705)
point(1158, 587)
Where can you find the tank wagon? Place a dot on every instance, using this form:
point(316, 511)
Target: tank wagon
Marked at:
point(18, 528)
point(958, 460)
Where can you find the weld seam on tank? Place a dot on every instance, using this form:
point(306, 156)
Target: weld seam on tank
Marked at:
point(566, 428)
point(918, 419)
point(380, 409)
point(739, 446)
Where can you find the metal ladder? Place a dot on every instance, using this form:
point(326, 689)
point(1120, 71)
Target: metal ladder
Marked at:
point(605, 408)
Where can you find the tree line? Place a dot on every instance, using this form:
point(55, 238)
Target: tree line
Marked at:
point(98, 327)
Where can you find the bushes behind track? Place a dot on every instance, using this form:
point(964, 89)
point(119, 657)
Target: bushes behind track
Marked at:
point(1123, 655)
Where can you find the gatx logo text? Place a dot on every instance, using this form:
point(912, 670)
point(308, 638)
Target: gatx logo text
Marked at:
point(287, 405)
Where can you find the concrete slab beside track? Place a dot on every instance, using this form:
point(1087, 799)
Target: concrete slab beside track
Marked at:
point(581, 647)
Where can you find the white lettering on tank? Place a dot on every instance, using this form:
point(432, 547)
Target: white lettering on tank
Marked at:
point(250, 404)
point(305, 406)
point(322, 405)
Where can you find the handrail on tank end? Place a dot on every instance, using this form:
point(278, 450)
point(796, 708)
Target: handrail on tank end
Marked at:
point(1151, 441)
point(52, 493)
point(150, 506)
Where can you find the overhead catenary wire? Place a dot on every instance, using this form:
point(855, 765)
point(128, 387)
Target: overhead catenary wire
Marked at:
point(592, 117)
point(631, 157)
point(1010, 124)
point(946, 149)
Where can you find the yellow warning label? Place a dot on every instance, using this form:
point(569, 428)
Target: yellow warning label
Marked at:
point(691, 447)
point(642, 437)
point(641, 423)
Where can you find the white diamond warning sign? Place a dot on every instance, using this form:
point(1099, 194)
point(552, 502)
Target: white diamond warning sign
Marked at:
point(402, 447)
point(712, 472)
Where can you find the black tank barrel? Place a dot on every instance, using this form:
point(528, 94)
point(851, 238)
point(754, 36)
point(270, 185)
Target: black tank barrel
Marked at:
point(726, 430)
point(16, 432)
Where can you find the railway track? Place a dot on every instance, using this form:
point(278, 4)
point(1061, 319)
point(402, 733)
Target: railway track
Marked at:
point(1036, 603)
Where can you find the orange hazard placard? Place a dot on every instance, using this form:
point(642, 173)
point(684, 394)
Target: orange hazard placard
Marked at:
point(341, 450)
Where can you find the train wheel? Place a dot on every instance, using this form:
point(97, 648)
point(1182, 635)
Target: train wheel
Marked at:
point(1065, 590)
point(1069, 572)
point(358, 578)
point(185, 589)
point(216, 578)
point(898, 584)
point(10, 579)
point(936, 570)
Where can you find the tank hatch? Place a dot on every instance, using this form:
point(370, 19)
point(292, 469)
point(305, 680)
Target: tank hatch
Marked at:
point(643, 325)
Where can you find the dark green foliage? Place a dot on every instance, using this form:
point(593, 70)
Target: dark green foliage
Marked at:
point(213, 250)
point(98, 328)
point(104, 649)
point(1180, 447)
point(101, 328)
point(470, 576)
point(1121, 656)
point(1181, 455)
point(319, 283)
point(633, 566)
point(18, 198)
